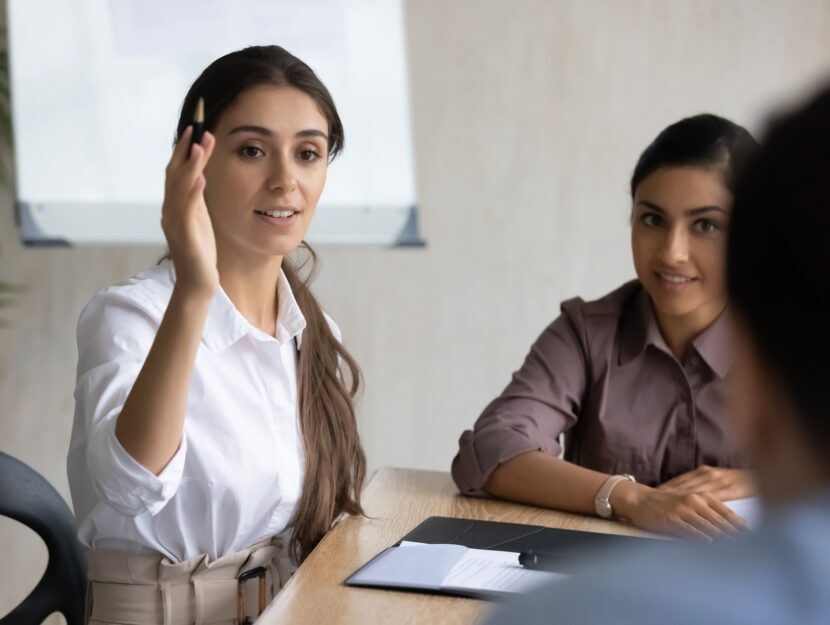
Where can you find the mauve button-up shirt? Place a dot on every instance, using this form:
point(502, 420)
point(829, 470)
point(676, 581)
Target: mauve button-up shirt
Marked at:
point(603, 376)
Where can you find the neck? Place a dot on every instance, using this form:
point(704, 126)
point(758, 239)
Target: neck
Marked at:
point(680, 330)
point(252, 287)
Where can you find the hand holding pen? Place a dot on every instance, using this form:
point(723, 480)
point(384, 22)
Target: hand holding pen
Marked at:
point(185, 219)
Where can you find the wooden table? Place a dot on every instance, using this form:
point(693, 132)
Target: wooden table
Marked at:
point(396, 501)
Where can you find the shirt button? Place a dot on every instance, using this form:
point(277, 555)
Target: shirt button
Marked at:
point(694, 360)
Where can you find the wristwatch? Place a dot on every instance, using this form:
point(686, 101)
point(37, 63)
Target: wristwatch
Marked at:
point(601, 504)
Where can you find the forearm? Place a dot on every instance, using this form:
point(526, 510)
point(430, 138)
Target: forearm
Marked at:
point(539, 479)
point(542, 480)
point(150, 425)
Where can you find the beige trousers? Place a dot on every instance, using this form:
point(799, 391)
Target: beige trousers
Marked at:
point(138, 589)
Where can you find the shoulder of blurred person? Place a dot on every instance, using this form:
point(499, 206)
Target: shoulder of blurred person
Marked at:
point(774, 576)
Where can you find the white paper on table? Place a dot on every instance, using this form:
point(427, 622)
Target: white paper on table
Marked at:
point(750, 509)
point(453, 569)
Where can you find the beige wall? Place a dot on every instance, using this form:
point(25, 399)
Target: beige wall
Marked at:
point(528, 117)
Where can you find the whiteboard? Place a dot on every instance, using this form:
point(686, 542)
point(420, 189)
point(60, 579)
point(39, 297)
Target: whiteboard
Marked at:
point(97, 86)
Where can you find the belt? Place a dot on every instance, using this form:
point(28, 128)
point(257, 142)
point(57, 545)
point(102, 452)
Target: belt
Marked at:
point(139, 589)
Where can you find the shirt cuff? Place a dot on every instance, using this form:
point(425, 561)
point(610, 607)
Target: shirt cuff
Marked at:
point(125, 483)
point(480, 453)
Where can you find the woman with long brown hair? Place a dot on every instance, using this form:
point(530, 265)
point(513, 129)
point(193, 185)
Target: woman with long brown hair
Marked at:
point(215, 439)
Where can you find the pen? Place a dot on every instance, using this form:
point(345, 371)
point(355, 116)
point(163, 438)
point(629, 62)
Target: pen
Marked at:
point(539, 561)
point(198, 123)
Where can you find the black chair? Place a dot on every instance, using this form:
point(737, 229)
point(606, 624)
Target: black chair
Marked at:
point(27, 497)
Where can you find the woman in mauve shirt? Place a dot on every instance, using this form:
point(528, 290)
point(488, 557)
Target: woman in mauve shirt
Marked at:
point(635, 380)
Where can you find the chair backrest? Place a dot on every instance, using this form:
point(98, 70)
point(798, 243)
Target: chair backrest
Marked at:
point(28, 498)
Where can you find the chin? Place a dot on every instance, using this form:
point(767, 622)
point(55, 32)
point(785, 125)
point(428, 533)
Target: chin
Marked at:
point(279, 245)
point(282, 250)
point(674, 305)
point(680, 306)
point(675, 309)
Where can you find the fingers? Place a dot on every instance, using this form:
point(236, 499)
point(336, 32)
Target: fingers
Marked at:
point(174, 179)
point(706, 478)
point(727, 513)
point(189, 158)
point(702, 479)
point(181, 178)
point(705, 519)
point(699, 484)
point(199, 155)
point(677, 483)
point(208, 143)
point(726, 492)
point(710, 516)
point(200, 152)
point(716, 519)
point(701, 516)
point(686, 529)
point(195, 191)
point(180, 151)
point(678, 479)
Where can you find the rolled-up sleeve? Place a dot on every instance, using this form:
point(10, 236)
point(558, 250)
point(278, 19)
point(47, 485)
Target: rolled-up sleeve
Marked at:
point(115, 333)
point(542, 401)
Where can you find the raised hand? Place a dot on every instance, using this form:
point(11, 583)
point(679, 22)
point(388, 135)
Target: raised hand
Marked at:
point(185, 219)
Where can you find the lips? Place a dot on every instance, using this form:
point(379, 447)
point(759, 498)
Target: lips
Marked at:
point(674, 283)
point(281, 213)
point(674, 278)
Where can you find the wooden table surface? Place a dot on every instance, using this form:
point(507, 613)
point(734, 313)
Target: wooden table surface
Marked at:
point(396, 501)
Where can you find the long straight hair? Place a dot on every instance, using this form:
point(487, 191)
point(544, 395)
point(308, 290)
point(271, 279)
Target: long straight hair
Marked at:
point(328, 377)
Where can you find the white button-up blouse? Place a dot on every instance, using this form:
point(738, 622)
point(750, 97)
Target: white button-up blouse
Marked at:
point(237, 476)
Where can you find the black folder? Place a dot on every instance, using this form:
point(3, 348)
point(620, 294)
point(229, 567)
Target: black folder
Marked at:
point(568, 547)
point(567, 551)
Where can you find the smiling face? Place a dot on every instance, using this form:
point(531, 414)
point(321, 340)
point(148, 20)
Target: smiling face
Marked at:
point(267, 171)
point(678, 237)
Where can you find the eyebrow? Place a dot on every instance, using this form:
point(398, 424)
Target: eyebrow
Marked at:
point(266, 132)
point(690, 212)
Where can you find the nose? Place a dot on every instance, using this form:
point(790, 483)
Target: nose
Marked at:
point(675, 248)
point(282, 176)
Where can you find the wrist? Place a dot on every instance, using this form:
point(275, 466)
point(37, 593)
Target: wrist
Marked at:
point(191, 293)
point(193, 299)
point(625, 498)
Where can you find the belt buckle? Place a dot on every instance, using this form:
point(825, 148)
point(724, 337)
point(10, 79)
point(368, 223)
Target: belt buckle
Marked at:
point(258, 572)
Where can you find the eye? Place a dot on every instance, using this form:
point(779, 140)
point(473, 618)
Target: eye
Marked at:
point(251, 151)
point(706, 226)
point(651, 219)
point(309, 155)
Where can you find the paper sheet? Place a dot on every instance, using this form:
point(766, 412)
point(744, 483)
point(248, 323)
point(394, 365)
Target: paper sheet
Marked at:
point(451, 568)
point(749, 509)
point(495, 572)
point(414, 565)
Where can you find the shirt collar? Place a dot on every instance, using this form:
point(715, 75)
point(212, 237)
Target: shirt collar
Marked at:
point(639, 330)
point(225, 325)
point(713, 345)
point(290, 319)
